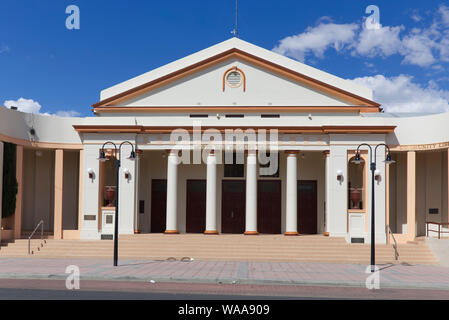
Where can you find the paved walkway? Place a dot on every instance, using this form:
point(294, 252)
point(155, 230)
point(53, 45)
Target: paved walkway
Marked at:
point(354, 275)
point(440, 248)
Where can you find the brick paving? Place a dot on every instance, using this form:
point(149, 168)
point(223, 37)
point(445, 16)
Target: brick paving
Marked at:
point(332, 274)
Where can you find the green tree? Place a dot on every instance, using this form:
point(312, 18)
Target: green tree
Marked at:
point(10, 185)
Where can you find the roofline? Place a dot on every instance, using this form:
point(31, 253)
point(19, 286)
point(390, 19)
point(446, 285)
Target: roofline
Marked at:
point(246, 109)
point(234, 52)
point(296, 129)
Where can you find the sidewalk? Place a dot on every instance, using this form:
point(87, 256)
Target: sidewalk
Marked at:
point(325, 274)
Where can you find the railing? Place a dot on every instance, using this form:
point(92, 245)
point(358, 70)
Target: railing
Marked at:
point(40, 224)
point(439, 224)
point(395, 244)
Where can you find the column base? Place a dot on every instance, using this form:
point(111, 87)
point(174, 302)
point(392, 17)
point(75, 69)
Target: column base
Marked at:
point(251, 233)
point(211, 232)
point(136, 231)
point(291, 233)
point(171, 232)
point(326, 234)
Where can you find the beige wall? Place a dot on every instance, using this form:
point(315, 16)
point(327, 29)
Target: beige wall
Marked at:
point(421, 193)
point(312, 168)
point(398, 193)
point(70, 190)
point(38, 189)
point(444, 187)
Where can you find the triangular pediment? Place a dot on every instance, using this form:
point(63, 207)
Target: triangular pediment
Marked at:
point(254, 82)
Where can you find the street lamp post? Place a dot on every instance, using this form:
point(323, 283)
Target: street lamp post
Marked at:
point(103, 158)
point(358, 160)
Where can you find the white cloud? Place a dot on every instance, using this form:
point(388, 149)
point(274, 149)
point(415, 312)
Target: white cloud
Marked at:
point(444, 14)
point(423, 47)
point(401, 94)
point(316, 40)
point(66, 114)
point(24, 105)
point(31, 106)
point(417, 49)
point(4, 48)
point(384, 41)
point(416, 17)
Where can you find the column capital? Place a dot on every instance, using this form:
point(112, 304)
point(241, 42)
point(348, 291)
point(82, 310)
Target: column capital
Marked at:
point(327, 153)
point(173, 152)
point(250, 152)
point(291, 153)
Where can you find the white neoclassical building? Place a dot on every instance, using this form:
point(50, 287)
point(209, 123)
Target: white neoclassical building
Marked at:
point(184, 120)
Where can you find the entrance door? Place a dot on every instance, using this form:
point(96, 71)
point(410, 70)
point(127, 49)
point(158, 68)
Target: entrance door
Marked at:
point(307, 207)
point(196, 206)
point(233, 206)
point(269, 206)
point(158, 205)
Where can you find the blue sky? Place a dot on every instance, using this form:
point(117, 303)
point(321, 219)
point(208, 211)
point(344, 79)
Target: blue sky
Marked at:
point(46, 68)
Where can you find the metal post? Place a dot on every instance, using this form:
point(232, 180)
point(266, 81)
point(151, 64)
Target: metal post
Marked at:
point(117, 166)
point(117, 174)
point(373, 257)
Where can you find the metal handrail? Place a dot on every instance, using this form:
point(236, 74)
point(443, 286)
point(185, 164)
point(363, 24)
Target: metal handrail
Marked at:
point(395, 245)
point(41, 224)
point(439, 224)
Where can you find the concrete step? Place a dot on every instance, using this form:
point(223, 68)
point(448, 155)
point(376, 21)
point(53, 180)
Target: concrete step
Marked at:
point(224, 247)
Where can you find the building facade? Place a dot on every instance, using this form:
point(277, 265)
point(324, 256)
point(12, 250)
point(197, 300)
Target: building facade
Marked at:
point(231, 139)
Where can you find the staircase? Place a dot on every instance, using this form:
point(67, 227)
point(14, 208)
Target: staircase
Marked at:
point(313, 248)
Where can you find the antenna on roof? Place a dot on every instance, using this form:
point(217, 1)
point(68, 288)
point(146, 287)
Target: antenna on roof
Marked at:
point(235, 32)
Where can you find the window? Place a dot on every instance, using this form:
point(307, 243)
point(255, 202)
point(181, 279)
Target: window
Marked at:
point(270, 116)
point(234, 79)
point(356, 191)
point(234, 116)
point(234, 170)
point(199, 116)
point(267, 165)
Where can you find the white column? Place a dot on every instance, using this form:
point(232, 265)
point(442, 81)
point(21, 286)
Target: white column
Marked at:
point(326, 193)
point(251, 193)
point(90, 194)
point(127, 204)
point(1, 184)
point(172, 196)
point(291, 228)
point(211, 194)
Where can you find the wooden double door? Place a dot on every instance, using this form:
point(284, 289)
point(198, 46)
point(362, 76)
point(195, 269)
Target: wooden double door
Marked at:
point(268, 206)
point(233, 197)
point(158, 205)
point(196, 206)
point(307, 207)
